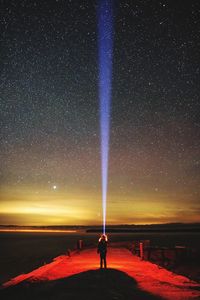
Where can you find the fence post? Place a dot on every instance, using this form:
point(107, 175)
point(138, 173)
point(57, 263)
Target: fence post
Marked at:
point(141, 251)
point(79, 244)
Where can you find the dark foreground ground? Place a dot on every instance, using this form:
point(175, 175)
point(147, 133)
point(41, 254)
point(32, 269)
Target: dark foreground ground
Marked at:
point(94, 284)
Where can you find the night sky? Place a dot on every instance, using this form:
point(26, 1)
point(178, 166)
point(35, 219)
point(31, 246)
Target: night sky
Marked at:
point(50, 132)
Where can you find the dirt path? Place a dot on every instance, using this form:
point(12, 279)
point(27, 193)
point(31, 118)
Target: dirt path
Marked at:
point(149, 277)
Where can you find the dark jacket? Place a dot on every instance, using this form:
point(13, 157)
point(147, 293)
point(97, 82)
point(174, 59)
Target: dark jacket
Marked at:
point(102, 247)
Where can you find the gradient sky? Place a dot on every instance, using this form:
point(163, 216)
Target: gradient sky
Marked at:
point(50, 134)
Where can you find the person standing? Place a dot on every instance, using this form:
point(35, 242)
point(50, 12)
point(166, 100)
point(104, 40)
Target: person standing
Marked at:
point(102, 250)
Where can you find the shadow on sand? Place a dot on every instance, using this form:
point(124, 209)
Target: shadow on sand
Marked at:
point(99, 284)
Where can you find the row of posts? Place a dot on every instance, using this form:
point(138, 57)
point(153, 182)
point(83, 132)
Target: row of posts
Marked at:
point(141, 247)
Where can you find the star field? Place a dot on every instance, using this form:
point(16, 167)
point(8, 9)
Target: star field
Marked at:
point(50, 147)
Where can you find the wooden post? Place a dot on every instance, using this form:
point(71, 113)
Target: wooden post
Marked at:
point(68, 252)
point(133, 248)
point(80, 244)
point(141, 251)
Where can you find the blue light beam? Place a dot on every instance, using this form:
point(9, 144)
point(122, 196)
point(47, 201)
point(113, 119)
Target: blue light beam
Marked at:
point(105, 54)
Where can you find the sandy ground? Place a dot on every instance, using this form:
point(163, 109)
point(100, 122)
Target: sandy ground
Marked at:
point(127, 277)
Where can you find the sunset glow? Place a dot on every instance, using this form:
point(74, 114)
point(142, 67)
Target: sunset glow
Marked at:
point(48, 208)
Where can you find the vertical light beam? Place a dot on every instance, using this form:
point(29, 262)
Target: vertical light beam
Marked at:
point(105, 53)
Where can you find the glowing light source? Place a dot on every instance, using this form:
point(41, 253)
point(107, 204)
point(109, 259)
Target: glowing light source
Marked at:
point(103, 236)
point(105, 47)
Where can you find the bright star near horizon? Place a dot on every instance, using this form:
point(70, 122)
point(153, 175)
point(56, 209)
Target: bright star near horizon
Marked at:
point(54, 187)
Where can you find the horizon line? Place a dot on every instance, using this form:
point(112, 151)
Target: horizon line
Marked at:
point(100, 225)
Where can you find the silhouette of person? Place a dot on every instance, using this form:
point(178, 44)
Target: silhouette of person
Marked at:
point(102, 250)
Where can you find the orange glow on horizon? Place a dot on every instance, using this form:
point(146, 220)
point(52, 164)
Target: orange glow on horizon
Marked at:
point(37, 230)
point(25, 207)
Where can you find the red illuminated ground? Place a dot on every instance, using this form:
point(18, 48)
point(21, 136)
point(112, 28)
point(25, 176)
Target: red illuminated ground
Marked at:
point(149, 277)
